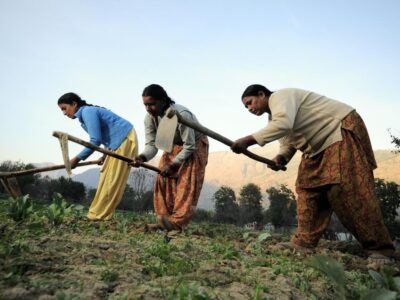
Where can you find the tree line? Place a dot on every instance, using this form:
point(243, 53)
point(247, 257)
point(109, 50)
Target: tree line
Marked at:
point(136, 198)
point(281, 212)
point(243, 209)
point(247, 208)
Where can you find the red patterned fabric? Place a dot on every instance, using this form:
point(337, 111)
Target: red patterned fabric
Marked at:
point(177, 198)
point(341, 180)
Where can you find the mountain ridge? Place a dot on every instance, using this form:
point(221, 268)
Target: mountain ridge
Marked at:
point(233, 170)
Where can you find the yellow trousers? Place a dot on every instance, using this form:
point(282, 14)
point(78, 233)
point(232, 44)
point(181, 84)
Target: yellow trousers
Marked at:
point(113, 177)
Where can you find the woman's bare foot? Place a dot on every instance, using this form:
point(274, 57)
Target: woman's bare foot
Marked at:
point(168, 225)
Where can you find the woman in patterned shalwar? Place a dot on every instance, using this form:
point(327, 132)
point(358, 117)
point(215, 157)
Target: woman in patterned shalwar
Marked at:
point(336, 169)
point(177, 188)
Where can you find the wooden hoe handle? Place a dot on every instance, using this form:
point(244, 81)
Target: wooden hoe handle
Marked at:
point(220, 138)
point(45, 169)
point(58, 134)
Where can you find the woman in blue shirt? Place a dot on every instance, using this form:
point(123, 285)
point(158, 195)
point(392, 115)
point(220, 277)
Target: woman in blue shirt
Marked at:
point(104, 127)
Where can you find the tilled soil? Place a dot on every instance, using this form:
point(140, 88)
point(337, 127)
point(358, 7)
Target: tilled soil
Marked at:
point(118, 260)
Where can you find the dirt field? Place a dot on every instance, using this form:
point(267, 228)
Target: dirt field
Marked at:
point(118, 260)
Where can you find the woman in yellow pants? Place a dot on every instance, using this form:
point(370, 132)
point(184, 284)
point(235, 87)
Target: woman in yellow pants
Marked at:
point(107, 128)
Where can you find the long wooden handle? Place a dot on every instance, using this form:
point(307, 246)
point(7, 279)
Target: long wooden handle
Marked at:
point(45, 169)
point(58, 134)
point(224, 140)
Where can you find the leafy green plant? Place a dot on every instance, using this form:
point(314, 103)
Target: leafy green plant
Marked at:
point(161, 250)
point(109, 276)
point(333, 270)
point(226, 249)
point(20, 208)
point(183, 291)
point(264, 236)
point(388, 286)
point(163, 259)
point(122, 227)
point(301, 283)
point(258, 290)
point(77, 209)
point(58, 210)
point(14, 248)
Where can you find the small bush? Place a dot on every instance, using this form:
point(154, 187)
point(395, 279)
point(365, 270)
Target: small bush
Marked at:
point(163, 259)
point(109, 276)
point(58, 210)
point(20, 208)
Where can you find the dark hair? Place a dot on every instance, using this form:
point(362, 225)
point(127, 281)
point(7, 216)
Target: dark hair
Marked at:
point(70, 98)
point(254, 89)
point(157, 92)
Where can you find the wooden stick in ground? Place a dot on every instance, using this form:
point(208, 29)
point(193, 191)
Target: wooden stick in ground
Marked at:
point(10, 182)
point(44, 169)
point(218, 137)
point(71, 138)
point(11, 186)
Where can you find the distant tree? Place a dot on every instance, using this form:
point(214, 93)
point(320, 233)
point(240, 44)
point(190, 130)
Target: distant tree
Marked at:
point(250, 204)
point(141, 181)
point(388, 194)
point(72, 191)
point(226, 207)
point(90, 195)
point(144, 203)
point(44, 187)
point(39, 189)
point(202, 215)
point(130, 200)
point(395, 141)
point(134, 201)
point(25, 181)
point(127, 199)
point(138, 194)
point(282, 209)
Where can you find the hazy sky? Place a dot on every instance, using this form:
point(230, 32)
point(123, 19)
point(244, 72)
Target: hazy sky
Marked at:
point(204, 53)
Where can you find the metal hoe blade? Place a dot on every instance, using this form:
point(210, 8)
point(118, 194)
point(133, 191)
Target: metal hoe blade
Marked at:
point(64, 149)
point(166, 133)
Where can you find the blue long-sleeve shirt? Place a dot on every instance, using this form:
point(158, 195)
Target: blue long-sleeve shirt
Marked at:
point(103, 126)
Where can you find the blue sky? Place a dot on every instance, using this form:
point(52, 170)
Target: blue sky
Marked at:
point(204, 53)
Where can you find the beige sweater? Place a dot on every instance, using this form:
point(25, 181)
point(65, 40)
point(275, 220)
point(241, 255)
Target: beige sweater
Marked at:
point(302, 120)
